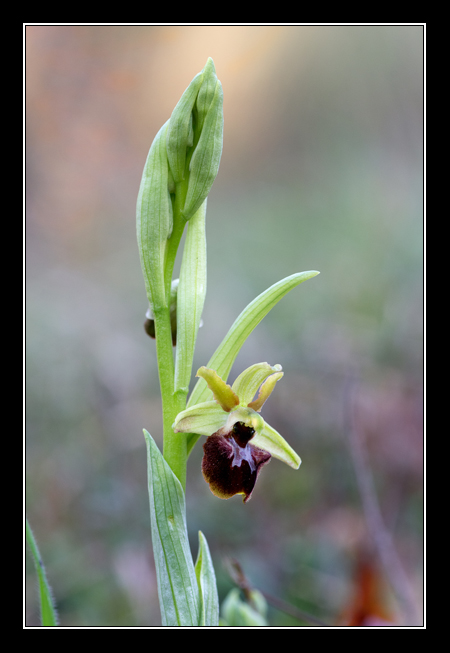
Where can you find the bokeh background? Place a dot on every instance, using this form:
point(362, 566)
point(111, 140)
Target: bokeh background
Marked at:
point(322, 168)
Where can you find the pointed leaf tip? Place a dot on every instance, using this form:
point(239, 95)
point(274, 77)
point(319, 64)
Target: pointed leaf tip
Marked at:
point(206, 579)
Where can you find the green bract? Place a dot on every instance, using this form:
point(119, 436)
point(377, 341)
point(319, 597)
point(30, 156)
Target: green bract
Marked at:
point(191, 297)
point(225, 355)
point(154, 219)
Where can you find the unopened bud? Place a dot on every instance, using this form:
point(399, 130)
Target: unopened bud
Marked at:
point(239, 614)
point(180, 134)
point(149, 324)
point(206, 92)
point(205, 160)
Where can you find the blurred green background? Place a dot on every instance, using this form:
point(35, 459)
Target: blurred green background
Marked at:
point(322, 168)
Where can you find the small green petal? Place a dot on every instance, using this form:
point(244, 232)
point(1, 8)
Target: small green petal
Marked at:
point(204, 419)
point(265, 391)
point(270, 440)
point(248, 382)
point(222, 392)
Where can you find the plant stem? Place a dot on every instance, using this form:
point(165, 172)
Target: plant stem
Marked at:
point(174, 446)
point(178, 227)
point(174, 450)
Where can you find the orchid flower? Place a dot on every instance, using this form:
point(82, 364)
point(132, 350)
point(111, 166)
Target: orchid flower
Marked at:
point(239, 441)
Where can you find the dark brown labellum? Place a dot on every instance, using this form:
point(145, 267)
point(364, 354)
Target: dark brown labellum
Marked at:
point(231, 464)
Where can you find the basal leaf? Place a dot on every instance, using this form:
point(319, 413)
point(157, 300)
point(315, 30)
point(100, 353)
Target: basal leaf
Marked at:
point(179, 595)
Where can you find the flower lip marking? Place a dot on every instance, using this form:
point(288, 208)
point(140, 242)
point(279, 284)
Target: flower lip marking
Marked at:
point(239, 438)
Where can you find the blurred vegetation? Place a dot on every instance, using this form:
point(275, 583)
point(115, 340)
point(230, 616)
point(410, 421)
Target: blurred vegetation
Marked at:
point(321, 169)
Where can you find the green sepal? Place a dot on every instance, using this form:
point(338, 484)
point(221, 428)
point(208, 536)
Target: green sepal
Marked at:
point(154, 219)
point(204, 419)
point(206, 579)
point(178, 592)
point(225, 355)
point(49, 617)
point(270, 440)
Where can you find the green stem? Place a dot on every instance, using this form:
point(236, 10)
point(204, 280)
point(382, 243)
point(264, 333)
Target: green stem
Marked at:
point(174, 450)
point(178, 227)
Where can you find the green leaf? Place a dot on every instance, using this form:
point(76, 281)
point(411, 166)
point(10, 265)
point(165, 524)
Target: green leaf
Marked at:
point(49, 617)
point(225, 355)
point(178, 591)
point(206, 580)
